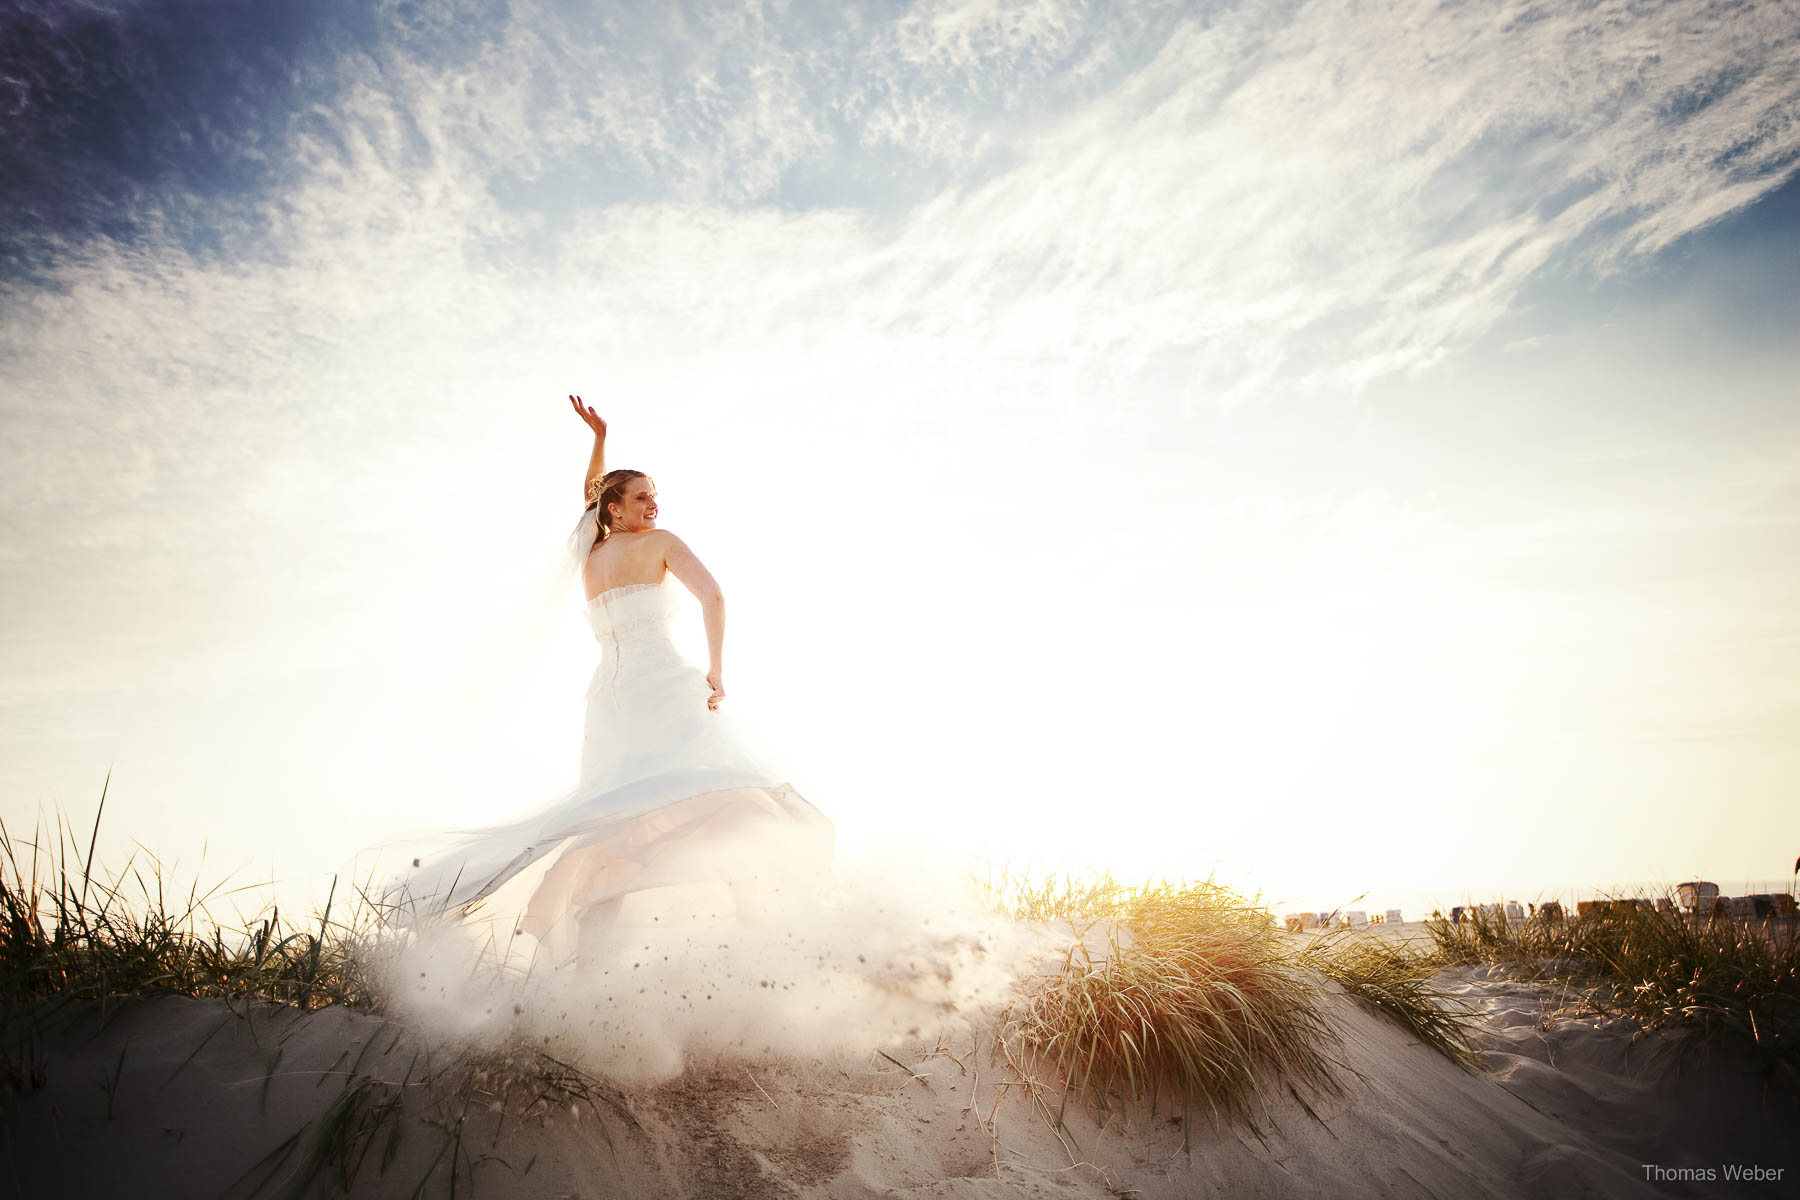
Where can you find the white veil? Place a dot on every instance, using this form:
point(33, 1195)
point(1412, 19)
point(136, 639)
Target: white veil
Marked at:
point(544, 628)
point(537, 659)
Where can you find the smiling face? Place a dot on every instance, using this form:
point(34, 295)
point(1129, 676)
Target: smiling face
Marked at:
point(635, 510)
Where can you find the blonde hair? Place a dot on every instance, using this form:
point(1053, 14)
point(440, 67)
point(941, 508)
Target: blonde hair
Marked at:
point(610, 485)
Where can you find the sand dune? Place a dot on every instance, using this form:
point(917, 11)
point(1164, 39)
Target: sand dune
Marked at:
point(180, 1097)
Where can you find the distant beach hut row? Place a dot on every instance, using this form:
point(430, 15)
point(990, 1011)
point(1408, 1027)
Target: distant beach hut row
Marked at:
point(1762, 906)
point(1694, 897)
point(1512, 910)
point(1702, 897)
point(1355, 918)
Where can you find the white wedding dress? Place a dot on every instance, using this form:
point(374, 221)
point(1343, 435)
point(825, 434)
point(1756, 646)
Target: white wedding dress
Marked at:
point(671, 793)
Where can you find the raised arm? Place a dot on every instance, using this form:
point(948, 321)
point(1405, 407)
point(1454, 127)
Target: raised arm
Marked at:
point(685, 566)
point(597, 460)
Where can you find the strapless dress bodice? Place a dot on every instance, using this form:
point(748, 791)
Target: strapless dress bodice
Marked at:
point(633, 612)
point(632, 624)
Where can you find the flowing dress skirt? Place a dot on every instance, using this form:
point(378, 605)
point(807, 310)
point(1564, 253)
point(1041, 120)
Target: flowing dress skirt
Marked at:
point(671, 793)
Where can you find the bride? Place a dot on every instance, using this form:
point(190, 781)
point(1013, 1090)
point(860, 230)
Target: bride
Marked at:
point(672, 795)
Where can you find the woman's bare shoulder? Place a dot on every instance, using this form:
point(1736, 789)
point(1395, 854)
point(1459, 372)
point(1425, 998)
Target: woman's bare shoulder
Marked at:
point(673, 551)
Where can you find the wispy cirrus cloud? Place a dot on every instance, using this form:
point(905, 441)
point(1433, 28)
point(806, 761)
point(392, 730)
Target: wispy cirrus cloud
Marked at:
point(1180, 209)
point(1356, 190)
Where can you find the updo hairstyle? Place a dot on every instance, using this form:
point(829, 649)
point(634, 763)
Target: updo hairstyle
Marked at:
point(612, 489)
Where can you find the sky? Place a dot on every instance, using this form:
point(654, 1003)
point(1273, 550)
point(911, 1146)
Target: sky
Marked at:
point(1339, 449)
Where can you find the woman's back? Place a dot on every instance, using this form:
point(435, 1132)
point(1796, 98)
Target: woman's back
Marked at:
point(624, 559)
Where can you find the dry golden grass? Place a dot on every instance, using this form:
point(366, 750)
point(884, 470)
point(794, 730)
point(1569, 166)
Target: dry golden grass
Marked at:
point(1196, 999)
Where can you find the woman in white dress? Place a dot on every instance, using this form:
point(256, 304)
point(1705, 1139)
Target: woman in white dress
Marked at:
point(671, 792)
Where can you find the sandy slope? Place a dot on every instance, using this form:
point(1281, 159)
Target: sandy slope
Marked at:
point(180, 1097)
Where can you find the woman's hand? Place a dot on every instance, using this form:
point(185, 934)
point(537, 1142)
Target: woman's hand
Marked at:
point(590, 484)
point(590, 418)
point(714, 681)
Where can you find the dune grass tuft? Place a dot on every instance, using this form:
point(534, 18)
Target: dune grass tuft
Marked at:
point(1194, 996)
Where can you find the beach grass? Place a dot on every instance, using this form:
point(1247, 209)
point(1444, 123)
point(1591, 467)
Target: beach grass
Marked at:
point(1189, 994)
point(72, 941)
point(1400, 984)
point(67, 935)
point(1730, 977)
